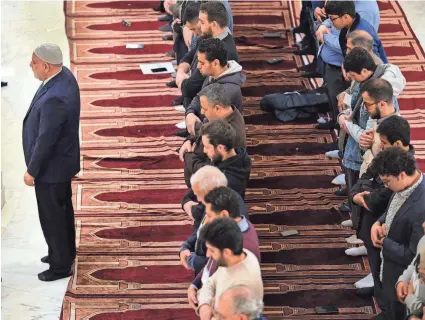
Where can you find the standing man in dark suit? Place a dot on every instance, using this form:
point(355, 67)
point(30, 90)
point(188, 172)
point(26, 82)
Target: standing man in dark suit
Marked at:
point(52, 155)
point(399, 229)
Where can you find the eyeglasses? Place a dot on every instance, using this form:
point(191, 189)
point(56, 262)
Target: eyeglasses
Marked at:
point(333, 19)
point(367, 105)
point(387, 184)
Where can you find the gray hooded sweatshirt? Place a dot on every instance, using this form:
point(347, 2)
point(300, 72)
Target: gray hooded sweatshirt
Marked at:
point(232, 79)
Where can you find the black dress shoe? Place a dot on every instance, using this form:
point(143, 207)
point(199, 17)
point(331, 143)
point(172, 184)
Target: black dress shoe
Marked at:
point(167, 37)
point(49, 275)
point(365, 292)
point(313, 74)
point(311, 67)
point(158, 8)
point(182, 133)
point(344, 208)
point(326, 126)
point(171, 84)
point(3, 84)
point(165, 28)
point(341, 192)
point(178, 101)
point(305, 51)
point(45, 259)
point(165, 18)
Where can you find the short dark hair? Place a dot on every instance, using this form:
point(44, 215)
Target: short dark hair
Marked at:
point(216, 11)
point(191, 12)
point(359, 59)
point(216, 95)
point(359, 38)
point(378, 89)
point(224, 198)
point(395, 128)
point(393, 161)
point(223, 233)
point(214, 48)
point(339, 8)
point(219, 132)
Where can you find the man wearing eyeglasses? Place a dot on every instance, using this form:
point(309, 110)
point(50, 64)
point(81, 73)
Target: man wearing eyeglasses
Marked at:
point(398, 231)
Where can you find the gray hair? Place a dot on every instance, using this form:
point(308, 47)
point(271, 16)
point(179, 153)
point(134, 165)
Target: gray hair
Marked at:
point(216, 95)
point(361, 38)
point(208, 178)
point(244, 302)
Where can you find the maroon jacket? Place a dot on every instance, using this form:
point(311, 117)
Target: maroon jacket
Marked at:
point(250, 242)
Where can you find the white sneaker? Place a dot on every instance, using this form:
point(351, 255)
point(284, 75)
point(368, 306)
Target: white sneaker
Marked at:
point(358, 251)
point(366, 282)
point(322, 120)
point(339, 180)
point(180, 108)
point(181, 125)
point(354, 240)
point(334, 154)
point(347, 223)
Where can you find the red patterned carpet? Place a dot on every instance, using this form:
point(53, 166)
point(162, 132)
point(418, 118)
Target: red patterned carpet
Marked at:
point(127, 196)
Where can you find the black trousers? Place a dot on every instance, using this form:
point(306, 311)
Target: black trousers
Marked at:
point(56, 215)
point(351, 177)
point(335, 85)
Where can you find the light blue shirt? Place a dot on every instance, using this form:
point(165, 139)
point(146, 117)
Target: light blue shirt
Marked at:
point(330, 50)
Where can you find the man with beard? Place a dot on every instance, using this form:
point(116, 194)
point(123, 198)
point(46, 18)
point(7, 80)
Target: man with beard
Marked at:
point(213, 22)
point(218, 140)
point(213, 64)
point(236, 265)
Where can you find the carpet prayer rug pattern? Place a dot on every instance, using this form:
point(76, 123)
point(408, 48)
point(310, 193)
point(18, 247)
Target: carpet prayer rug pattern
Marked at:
point(127, 196)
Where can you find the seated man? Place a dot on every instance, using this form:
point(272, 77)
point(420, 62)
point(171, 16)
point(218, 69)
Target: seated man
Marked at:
point(206, 179)
point(221, 203)
point(398, 231)
point(238, 302)
point(371, 196)
point(213, 64)
point(218, 140)
point(236, 265)
point(213, 22)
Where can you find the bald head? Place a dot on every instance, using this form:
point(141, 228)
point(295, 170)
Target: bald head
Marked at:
point(359, 38)
point(239, 300)
point(206, 179)
point(46, 60)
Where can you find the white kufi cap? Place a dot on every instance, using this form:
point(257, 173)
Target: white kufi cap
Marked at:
point(50, 53)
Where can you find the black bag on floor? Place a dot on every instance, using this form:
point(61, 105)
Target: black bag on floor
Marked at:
point(294, 105)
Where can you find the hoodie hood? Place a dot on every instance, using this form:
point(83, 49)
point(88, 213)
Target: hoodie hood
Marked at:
point(233, 74)
point(237, 170)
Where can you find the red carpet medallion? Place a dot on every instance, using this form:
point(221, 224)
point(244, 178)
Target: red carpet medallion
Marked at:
point(127, 196)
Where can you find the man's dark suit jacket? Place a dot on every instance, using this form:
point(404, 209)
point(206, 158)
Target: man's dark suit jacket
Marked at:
point(400, 245)
point(50, 130)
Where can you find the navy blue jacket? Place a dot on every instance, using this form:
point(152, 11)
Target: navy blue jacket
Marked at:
point(361, 24)
point(50, 130)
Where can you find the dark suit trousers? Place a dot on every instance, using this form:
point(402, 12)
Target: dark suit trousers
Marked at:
point(335, 85)
point(56, 215)
point(351, 178)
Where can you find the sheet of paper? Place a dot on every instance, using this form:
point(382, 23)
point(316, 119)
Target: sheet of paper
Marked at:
point(134, 46)
point(149, 68)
